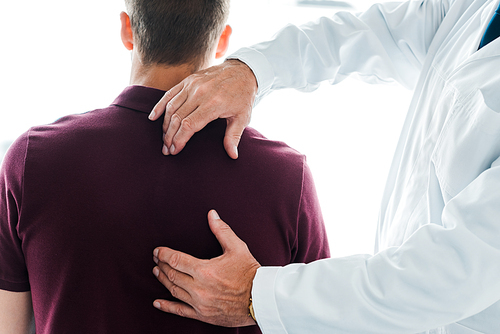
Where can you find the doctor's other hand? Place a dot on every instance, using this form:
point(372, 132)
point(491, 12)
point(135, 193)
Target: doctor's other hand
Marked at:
point(225, 91)
point(216, 291)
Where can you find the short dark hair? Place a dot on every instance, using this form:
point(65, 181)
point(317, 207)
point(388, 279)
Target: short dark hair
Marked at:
point(175, 32)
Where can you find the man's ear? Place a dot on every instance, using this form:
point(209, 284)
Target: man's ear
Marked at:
point(223, 42)
point(126, 31)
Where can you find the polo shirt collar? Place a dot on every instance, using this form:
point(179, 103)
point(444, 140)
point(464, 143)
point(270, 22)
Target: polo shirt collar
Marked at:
point(139, 98)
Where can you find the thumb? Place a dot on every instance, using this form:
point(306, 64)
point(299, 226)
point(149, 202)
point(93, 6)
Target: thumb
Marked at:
point(234, 130)
point(224, 234)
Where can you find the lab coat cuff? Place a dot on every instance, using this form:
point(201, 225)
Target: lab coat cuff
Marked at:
point(264, 301)
point(260, 67)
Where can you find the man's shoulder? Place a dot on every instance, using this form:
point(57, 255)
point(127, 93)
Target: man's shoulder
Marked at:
point(253, 140)
point(70, 135)
point(271, 156)
point(254, 148)
point(103, 125)
point(69, 124)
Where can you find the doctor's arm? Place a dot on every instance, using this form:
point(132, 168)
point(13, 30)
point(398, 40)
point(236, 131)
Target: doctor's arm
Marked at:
point(387, 43)
point(16, 313)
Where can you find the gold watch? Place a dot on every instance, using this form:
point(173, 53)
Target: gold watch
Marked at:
point(250, 309)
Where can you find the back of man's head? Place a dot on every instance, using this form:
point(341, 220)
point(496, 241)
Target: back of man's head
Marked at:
point(175, 32)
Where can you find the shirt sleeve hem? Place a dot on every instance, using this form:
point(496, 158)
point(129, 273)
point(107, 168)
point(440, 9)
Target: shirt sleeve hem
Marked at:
point(264, 301)
point(14, 287)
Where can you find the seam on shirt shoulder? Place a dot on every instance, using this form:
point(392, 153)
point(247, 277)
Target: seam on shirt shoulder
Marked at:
point(28, 135)
point(299, 207)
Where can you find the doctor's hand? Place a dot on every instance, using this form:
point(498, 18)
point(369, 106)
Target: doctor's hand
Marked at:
point(224, 91)
point(216, 291)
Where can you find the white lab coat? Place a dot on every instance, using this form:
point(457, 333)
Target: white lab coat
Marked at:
point(437, 262)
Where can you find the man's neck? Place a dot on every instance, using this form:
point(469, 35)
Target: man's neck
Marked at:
point(158, 76)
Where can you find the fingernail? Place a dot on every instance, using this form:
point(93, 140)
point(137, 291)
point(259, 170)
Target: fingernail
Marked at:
point(215, 215)
point(155, 259)
point(155, 252)
point(164, 150)
point(157, 305)
point(152, 115)
point(156, 271)
point(235, 150)
point(172, 149)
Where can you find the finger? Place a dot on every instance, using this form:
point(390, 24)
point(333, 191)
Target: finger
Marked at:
point(176, 291)
point(173, 126)
point(175, 106)
point(193, 123)
point(177, 308)
point(177, 260)
point(227, 238)
point(234, 131)
point(161, 106)
point(176, 277)
point(177, 120)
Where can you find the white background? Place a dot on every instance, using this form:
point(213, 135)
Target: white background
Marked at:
point(60, 57)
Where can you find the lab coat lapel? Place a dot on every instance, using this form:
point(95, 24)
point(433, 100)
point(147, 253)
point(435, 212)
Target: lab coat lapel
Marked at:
point(460, 48)
point(494, 46)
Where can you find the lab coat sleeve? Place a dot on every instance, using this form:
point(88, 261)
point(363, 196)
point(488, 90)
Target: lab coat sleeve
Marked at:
point(442, 274)
point(386, 43)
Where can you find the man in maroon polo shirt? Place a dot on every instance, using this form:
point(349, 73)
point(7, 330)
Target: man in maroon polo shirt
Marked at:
point(85, 200)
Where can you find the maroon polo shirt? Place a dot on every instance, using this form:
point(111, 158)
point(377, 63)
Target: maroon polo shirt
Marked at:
point(85, 200)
